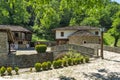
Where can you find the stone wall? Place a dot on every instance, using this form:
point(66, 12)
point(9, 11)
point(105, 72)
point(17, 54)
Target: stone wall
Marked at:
point(78, 40)
point(112, 49)
point(67, 47)
point(24, 60)
point(3, 42)
point(105, 47)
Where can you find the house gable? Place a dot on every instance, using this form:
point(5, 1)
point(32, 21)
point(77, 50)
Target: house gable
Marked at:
point(88, 34)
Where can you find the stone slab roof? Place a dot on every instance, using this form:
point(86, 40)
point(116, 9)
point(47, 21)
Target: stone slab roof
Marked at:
point(82, 33)
point(15, 28)
point(77, 28)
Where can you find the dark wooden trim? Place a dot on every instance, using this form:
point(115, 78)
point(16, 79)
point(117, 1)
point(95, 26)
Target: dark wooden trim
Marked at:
point(61, 41)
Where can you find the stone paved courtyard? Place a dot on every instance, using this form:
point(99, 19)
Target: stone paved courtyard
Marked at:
point(97, 69)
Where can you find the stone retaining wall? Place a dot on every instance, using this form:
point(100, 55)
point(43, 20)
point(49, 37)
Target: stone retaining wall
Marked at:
point(24, 60)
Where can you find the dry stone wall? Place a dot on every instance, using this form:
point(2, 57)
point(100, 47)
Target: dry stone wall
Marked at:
point(24, 61)
point(3, 42)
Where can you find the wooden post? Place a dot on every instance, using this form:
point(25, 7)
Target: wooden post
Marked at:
point(102, 45)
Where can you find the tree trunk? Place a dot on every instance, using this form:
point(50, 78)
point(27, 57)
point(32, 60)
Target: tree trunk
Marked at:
point(116, 41)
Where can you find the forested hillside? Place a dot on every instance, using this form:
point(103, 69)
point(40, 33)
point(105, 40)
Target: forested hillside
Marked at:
point(41, 16)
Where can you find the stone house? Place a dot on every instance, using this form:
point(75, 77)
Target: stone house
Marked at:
point(6, 39)
point(77, 35)
point(22, 36)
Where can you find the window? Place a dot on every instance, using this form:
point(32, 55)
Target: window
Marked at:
point(84, 42)
point(20, 42)
point(62, 34)
point(16, 34)
point(96, 33)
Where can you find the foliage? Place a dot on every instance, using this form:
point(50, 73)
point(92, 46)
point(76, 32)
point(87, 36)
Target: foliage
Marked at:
point(37, 38)
point(9, 70)
point(59, 63)
point(41, 48)
point(90, 21)
point(78, 60)
point(37, 66)
point(31, 69)
point(115, 30)
point(82, 59)
point(49, 64)
point(2, 70)
point(64, 62)
point(86, 59)
point(55, 65)
point(70, 61)
point(41, 16)
point(44, 65)
point(16, 70)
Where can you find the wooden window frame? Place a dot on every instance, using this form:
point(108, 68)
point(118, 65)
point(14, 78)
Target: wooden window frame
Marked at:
point(62, 34)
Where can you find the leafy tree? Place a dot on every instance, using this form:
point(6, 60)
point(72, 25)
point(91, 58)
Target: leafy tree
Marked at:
point(115, 30)
point(14, 12)
point(90, 21)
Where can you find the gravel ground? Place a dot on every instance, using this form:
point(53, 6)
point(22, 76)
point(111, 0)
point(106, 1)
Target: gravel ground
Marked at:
point(97, 69)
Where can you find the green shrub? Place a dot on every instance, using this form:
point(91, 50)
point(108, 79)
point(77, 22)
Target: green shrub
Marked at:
point(64, 62)
point(86, 59)
point(59, 63)
point(9, 70)
point(82, 60)
point(2, 70)
point(75, 61)
point(78, 60)
point(70, 61)
point(49, 64)
point(31, 69)
point(44, 65)
point(41, 48)
point(37, 66)
point(55, 64)
point(16, 70)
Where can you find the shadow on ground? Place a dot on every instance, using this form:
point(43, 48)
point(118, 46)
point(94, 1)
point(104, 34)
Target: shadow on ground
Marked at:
point(66, 78)
point(99, 76)
point(112, 60)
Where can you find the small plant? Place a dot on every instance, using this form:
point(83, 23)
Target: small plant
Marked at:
point(55, 64)
point(9, 70)
point(86, 59)
point(82, 60)
point(64, 62)
point(44, 65)
point(74, 61)
point(78, 60)
point(37, 66)
point(70, 61)
point(49, 64)
point(30, 69)
point(41, 48)
point(16, 70)
point(2, 70)
point(59, 63)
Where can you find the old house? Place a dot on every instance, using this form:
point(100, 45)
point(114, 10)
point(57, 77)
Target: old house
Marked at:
point(21, 36)
point(77, 35)
point(6, 39)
